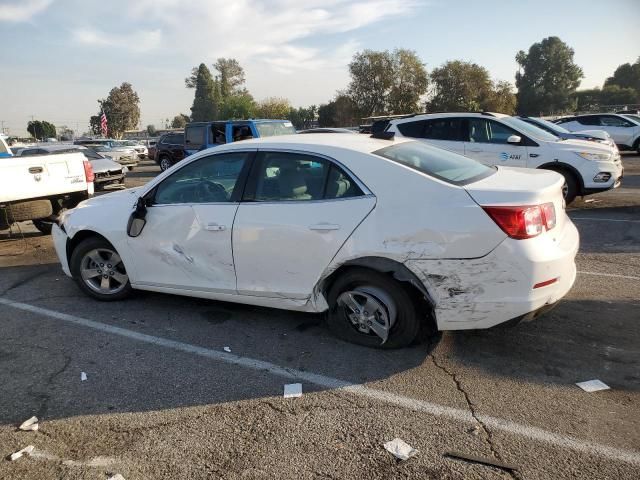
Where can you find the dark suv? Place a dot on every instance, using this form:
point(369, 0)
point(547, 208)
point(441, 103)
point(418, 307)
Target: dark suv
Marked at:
point(169, 150)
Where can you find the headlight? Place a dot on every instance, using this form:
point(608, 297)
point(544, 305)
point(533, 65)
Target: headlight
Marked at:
point(594, 156)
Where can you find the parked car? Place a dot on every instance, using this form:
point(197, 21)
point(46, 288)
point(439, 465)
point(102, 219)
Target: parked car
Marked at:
point(624, 129)
point(125, 157)
point(108, 175)
point(202, 135)
point(599, 136)
point(151, 148)
point(140, 149)
point(39, 187)
point(169, 150)
point(496, 139)
point(389, 236)
point(5, 151)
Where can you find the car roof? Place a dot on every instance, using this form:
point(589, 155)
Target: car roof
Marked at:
point(427, 116)
point(360, 142)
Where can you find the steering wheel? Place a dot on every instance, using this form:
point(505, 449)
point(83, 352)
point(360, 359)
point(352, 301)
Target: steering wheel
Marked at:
point(208, 191)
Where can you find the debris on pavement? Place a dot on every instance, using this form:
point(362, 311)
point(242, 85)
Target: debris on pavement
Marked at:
point(400, 449)
point(83, 376)
point(593, 386)
point(30, 424)
point(117, 476)
point(20, 453)
point(293, 390)
point(482, 460)
point(227, 349)
point(474, 430)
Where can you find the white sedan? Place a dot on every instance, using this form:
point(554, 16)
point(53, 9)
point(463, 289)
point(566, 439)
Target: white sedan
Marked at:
point(388, 236)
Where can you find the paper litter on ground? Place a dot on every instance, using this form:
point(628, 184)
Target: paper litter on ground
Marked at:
point(593, 386)
point(400, 449)
point(30, 424)
point(117, 476)
point(227, 349)
point(24, 451)
point(293, 390)
point(83, 376)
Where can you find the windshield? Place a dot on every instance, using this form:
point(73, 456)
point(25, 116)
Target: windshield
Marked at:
point(4, 150)
point(550, 125)
point(529, 130)
point(635, 118)
point(272, 129)
point(442, 164)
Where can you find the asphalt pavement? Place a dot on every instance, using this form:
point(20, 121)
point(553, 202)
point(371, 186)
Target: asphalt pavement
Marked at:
point(163, 399)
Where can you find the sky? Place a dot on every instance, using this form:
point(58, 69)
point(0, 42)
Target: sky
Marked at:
point(58, 57)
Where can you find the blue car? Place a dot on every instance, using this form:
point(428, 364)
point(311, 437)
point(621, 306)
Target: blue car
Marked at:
point(5, 151)
point(202, 135)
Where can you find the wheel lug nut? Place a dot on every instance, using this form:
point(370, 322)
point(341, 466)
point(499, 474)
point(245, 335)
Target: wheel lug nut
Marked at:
point(102, 264)
point(108, 265)
point(110, 273)
point(105, 276)
point(99, 271)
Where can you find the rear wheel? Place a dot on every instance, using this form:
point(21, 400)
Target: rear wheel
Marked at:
point(99, 271)
point(165, 163)
point(372, 309)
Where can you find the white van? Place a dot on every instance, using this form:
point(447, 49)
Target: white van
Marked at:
point(496, 139)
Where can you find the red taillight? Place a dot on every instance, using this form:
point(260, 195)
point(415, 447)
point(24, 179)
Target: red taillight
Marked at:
point(523, 222)
point(88, 172)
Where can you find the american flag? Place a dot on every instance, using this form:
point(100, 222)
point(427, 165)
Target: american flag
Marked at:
point(103, 124)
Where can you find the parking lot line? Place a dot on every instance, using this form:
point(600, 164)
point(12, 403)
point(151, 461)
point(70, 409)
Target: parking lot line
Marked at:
point(456, 414)
point(599, 219)
point(614, 275)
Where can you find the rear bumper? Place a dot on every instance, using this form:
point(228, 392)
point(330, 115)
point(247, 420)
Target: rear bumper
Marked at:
point(484, 292)
point(60, 244)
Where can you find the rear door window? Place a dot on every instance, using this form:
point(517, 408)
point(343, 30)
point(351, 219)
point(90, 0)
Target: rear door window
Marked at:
point(445, 129)
point(194, 137)
point(589, 120)
point(435, 162)
point(412, 129)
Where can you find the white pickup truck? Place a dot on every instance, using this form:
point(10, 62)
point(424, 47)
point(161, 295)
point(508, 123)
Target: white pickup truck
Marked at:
point(39, 187)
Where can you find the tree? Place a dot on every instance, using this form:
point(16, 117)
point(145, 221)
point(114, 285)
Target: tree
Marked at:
point(465, 86)
point(549, 78)
point(65, 133)
point(339, 112)
point(151, 130)
point(273, 107)
point(94, 124)
point(41, 129)
point(595, 98)
point(121, 108)
point(239, 106)
point(302, 117)
point(180, 121)
point(204, 107)
point(387, 82)
point(626, 75)
point(230, 76)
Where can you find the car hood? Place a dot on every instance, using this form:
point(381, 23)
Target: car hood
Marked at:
point(600, 134)
point(101, 165)
point(127, 196)
point(577, 145)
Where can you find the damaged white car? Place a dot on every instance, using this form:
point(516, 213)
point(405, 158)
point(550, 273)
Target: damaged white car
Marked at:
point(390, 236)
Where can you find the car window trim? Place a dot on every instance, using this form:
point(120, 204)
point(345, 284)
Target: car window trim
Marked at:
point(236, 195)
point(250, 186)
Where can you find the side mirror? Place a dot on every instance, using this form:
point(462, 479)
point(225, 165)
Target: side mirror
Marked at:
point(514, 139)
point(137, 219)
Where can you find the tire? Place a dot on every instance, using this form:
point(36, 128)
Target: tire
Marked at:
point(165, 163)
point(19, 212)
point(44, 226)
point(89, 273)
point(570, 187)
point(368, 287)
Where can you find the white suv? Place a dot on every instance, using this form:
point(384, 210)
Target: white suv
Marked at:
point(496, 139)
point(624, 129)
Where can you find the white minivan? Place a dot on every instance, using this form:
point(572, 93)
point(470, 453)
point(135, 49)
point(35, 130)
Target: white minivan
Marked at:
point(496, 139)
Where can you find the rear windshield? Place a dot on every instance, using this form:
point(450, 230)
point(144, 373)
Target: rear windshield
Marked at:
point(272, 129)
point(436, 162)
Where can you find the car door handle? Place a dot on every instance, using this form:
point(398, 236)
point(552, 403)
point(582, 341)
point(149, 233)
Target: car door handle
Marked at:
point(214, 227)
point(36, 170)
point(324, 227)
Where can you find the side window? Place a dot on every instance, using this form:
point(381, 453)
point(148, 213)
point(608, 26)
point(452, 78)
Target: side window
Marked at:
point(444, 129)
point(218, 133)
point(589, 120)
point(611, 121)
point(486, 131)
point(210, 179)
point(412, 129)
point(285, 176)
point(340, 185)
point(194, 137)
point(241, 132)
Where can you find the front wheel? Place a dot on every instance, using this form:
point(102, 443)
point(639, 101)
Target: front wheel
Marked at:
point(570, 187)
point(165, 163)
point(99, 271)
point(372, 309)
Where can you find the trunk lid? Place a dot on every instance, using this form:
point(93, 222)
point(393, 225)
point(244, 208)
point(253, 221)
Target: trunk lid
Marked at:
point(511, 186)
